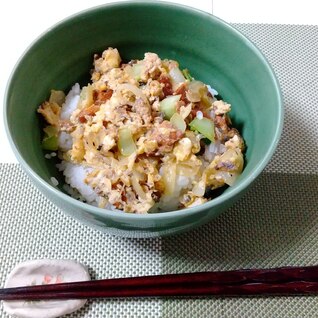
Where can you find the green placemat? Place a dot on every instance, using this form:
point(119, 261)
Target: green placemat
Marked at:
point(31, 227)
point(275, 224)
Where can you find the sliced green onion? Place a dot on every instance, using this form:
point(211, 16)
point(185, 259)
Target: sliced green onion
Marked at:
point(126, 144)
point(50, 143)
point(168, 105)
point(137, 69)
point(178, 122)
point(50, 139)
point(204, 126)
point(187, 75)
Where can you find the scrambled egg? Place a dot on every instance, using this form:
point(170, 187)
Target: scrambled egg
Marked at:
point(152, 136)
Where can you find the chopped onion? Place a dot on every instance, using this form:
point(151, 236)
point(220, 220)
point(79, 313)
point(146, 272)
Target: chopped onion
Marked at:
point(176, 77)
point(199, 189)
point(182, 182)
point(229, 178)
point(234, 156)
point(138, 188)
point(195, 90)
point(128, 161)
point(134, 89)
point(178, 122)
point(86, 96)
point(185, 170)
point(169, 178)
point(185, 110)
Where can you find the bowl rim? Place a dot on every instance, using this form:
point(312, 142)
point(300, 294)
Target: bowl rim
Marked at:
point(186, 212)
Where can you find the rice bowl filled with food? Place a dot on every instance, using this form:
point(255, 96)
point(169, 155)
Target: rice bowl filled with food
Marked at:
point(109, 125)
point(143, 136)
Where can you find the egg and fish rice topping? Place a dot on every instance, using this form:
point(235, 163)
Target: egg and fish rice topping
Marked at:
point(151, 137)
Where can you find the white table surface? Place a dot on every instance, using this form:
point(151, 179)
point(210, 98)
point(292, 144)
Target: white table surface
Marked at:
point(22, 21)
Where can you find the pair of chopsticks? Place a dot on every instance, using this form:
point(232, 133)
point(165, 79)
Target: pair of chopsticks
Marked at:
point(247, 282)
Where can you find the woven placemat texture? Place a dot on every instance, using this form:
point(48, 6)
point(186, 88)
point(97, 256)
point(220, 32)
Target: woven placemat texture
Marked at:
point(276, 223)
point(292, 52)
point(31, 227)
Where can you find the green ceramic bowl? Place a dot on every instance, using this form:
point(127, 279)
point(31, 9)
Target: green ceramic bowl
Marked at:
point(212, 50)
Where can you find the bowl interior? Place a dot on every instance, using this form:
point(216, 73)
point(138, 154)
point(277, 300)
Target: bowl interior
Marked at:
point(213, 52)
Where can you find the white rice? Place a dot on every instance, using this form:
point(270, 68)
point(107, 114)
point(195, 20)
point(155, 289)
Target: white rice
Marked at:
point(112, 208)
point(217, 148)
point(77, 188)
point(50, 155)
point(71, 102)
point(54, 182)
point(213, 149)
point(208, 155)
point(213, 91)
point(183, 182)
point(65, 141)
point(74, 176)
point(199, 115)
point(171, 202)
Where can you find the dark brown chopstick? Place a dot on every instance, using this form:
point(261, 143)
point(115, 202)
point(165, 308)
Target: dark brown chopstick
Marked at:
point(277, 281)
point(283, 289)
